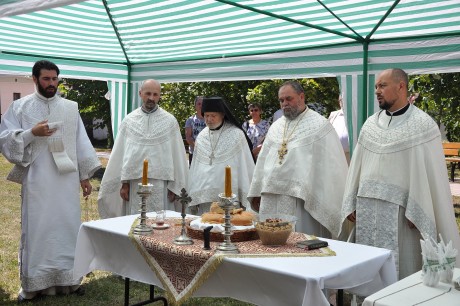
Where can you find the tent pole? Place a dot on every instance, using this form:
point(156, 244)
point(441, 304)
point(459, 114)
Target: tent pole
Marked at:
point(129, 89)
point(362, 109)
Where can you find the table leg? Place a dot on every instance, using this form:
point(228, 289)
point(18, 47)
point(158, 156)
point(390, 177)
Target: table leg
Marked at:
point(151, 299)
point(340, 297)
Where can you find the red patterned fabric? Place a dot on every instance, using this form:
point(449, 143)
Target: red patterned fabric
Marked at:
point(183, 268)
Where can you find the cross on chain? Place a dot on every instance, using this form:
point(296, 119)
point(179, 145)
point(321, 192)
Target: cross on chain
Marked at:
point(282, 151)
point(211, 157)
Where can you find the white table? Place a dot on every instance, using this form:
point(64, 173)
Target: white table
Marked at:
point(411, 291)
point(105, 245)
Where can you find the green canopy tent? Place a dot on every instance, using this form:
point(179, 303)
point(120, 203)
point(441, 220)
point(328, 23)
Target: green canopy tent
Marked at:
point(127, 41)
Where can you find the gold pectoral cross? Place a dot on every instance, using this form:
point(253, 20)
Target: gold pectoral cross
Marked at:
point(282, 151)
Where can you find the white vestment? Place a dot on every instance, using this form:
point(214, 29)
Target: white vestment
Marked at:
point(50, 210)
point(152, 136)
point(398, 172)
point(229, 147)
point(313, 170)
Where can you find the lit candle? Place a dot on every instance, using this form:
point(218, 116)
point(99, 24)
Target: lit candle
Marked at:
point(144, 172)
point(228, 181)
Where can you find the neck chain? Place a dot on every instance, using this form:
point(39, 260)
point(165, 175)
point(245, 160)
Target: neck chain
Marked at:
point(283, 149)
point(215, 145)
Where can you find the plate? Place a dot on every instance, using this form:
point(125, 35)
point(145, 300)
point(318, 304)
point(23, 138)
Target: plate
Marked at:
point(160, 227)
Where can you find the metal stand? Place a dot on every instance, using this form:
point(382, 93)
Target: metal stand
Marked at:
point(227, 204)
point(151, 299)
point(144, 191)
point(183, 239)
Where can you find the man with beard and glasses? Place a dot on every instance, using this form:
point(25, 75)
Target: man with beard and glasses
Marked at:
point(43, 135)
point(397, 186)
point(151, 133)
point(301, 169)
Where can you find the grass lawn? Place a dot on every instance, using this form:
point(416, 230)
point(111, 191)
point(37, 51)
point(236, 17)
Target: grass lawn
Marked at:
point(102, 288)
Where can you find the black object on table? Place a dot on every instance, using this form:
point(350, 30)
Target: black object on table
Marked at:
point(207, 237)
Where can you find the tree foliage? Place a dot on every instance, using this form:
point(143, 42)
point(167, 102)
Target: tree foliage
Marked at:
point(90, 96)
point(440, 98)
point(320, 94)
point(178, 98)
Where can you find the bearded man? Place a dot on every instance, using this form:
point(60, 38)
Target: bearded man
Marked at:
point(397, 187)
point(301, 169)
point(43, 135)
point(221, 143)
point(151, 133)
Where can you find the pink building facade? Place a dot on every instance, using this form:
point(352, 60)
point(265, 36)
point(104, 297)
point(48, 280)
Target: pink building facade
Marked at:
point(12, 88)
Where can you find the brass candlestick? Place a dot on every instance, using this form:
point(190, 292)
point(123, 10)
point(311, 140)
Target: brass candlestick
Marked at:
point(144, 191)
point(183, 239)
point(227, 204)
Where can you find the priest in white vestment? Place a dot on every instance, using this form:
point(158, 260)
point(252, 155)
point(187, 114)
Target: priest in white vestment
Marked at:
point(221, 143)
point(150, 133)
point(301, 169)
point(43, 135)
point(397, 185)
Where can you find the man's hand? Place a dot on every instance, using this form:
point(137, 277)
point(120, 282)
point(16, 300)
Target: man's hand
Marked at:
point(255, 204)
point(352, 217)
point(86, 187)
point(124, 191)
point(42, 129)
point(171, 196)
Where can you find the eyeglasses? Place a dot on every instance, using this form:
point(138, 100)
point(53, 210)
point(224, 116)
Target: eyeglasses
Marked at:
point(254, 110)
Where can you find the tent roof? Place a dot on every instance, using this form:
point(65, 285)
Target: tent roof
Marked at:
point(158, 31)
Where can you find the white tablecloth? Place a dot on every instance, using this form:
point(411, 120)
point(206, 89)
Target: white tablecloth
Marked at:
point(104, 245)
point(411, 291)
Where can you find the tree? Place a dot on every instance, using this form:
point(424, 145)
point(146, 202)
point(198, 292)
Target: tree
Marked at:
point(440, 97)
point(320, 94)
point(178, 98)
point(92, 103)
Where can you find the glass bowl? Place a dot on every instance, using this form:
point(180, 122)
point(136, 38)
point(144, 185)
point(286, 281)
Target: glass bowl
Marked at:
point(274, 229)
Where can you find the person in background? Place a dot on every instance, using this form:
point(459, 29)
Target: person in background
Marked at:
point(301, 169)
point(44, 137)
point(256, 128)
point(193, 126)
point(278, 114)
point(339, 122)
point(151, 133)
point(221, 143)
point(397, 186)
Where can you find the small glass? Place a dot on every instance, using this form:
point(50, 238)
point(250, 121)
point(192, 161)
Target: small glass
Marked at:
point(447, 270)
point(160, 218)
point(431, 273)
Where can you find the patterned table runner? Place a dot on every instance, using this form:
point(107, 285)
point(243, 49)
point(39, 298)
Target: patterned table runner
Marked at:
point(182, 269)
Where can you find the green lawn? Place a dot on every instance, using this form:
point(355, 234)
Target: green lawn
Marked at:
point(102, 288)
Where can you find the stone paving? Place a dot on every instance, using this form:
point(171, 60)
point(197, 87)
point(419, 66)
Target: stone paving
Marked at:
point(455, 188)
